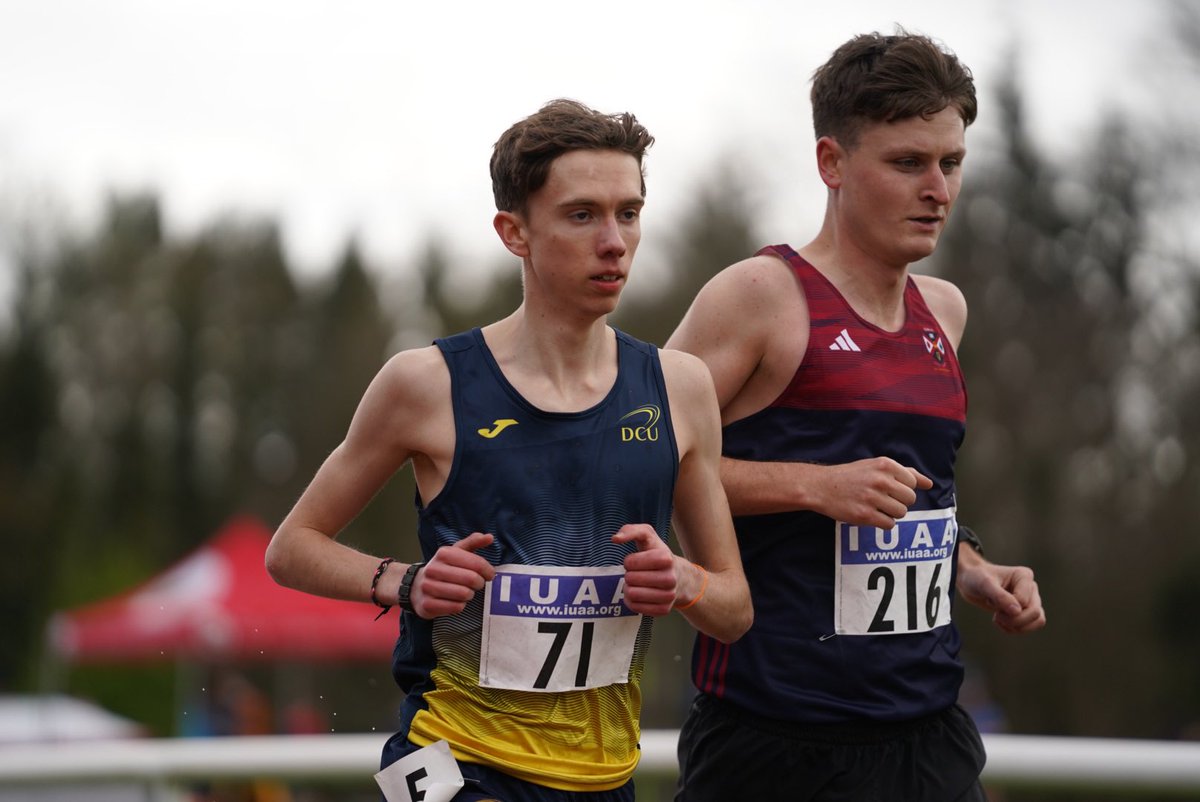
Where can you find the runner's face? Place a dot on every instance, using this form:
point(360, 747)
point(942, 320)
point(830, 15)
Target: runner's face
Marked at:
point(582, 228)
point(899, 184)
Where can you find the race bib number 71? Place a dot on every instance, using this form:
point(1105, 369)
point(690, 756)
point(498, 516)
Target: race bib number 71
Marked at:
point(895, 581)
point(551, 628)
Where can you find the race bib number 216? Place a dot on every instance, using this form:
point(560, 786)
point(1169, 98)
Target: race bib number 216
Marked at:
point(895, 581)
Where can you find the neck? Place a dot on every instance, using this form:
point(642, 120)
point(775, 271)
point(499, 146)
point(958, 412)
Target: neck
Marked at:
point(557, 366)
point(874, 289)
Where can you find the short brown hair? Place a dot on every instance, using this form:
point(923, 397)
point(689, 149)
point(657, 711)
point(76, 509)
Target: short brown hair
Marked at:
point(875, 78)
point(522, 156)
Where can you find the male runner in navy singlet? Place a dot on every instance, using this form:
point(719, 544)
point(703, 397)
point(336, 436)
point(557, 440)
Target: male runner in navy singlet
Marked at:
point(843, 408)
point(551, 454)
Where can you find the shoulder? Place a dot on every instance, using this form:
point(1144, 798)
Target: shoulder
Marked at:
point(946, 302)
point(692, 396)
point(415, 360)
point(684, 371)
point(749, 294)
point(689, 383)
point(403, 411)
point(750, 326)
point(939, 291)
point(758, 278)
point(414, 377)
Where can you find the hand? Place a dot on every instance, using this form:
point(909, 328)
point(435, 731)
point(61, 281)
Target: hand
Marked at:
point(452, 578)
point(869, 492)
point(649, 572)
point(1009, 591)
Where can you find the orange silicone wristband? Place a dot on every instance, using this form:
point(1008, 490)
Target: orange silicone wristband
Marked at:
point(700, 595)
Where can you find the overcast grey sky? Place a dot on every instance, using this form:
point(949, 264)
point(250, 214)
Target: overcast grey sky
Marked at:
point(377, 118)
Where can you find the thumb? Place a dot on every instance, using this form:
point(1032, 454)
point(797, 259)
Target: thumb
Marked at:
point(475, 541)
point(641, 535)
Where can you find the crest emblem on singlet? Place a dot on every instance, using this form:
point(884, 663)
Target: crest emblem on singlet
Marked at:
point(642, 426)
point(935, 346)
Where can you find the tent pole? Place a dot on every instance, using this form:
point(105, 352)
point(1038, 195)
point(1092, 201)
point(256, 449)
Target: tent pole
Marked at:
point(51, 676)
point(188, 675)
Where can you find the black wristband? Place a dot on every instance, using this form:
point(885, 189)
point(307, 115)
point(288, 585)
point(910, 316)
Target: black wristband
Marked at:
point(375, 584)
point(404, 595)
point(967, 535)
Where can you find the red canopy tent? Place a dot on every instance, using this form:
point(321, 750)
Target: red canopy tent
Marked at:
point(218, 604)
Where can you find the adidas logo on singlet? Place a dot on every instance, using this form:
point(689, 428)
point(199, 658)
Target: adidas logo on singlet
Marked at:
point(844, 343)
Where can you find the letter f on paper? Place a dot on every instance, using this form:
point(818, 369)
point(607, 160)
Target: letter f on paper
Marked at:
point(428, 775)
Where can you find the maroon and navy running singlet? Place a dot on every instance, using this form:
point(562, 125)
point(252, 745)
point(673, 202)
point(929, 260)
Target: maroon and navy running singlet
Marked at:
point(850, 622)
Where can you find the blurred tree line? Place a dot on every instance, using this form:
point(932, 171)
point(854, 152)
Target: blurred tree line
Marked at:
point(1082, 456)
point(151, 386)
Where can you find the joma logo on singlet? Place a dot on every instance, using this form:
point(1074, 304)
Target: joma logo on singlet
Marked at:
point(647, 431)
point(498, 425)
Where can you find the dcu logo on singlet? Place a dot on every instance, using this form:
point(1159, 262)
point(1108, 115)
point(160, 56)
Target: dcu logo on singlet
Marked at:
point(642, 426)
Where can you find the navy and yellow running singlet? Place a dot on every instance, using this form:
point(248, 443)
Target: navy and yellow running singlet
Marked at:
point(538, 677)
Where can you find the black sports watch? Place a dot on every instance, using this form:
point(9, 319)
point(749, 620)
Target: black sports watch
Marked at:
point(404, 595)
point(967, 535)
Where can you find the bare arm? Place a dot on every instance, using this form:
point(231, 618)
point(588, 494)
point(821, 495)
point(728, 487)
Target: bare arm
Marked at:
point(717, 604)
point(730, 326)
point(869, 492)
point(397, 421)
point(1009, 592)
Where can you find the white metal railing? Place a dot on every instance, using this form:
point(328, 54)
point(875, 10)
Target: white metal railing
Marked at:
point(1111, 764)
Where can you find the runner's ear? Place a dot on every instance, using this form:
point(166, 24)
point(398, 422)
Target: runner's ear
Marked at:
point(511, 230)
point(829, 161)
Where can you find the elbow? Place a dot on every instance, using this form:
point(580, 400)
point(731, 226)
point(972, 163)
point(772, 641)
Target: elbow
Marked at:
point(747, 620)
point(738, 612)
point(741, 623)
point(736, 624)
point(745, 611)
point(276, 563)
